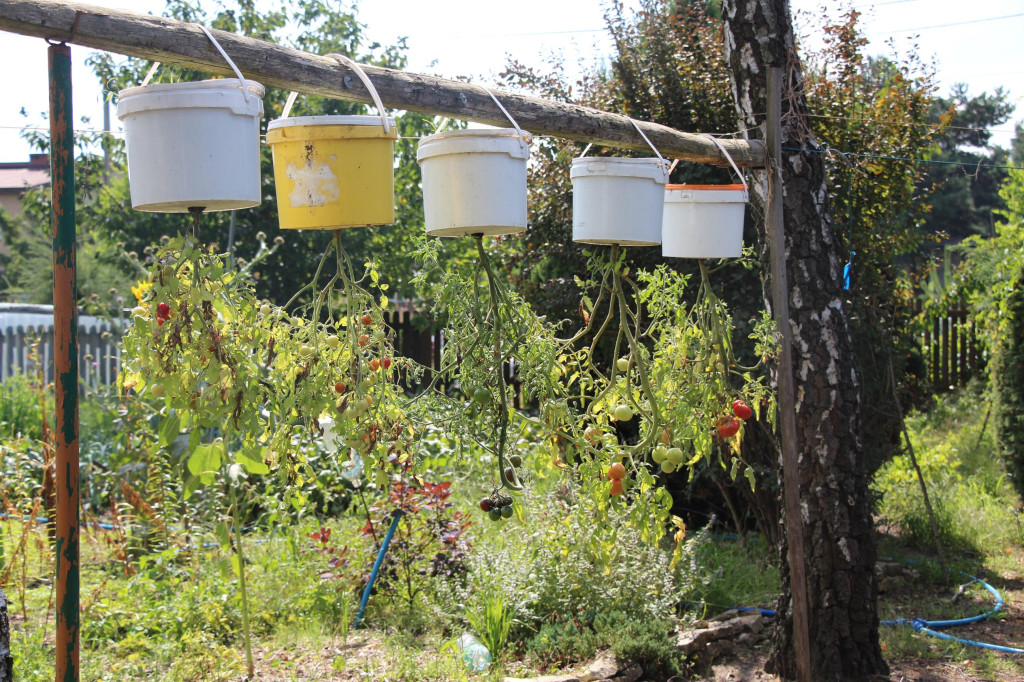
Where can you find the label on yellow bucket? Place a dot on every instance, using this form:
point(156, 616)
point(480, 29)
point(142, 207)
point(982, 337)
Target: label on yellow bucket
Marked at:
point(335, 175)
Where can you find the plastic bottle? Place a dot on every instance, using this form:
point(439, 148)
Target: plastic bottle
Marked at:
point(476, 655)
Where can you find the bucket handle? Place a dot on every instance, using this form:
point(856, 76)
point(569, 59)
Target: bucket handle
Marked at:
point(718, 143)
point(519, 131)
point(635, 125)
point(241, 78)
point(362, 77)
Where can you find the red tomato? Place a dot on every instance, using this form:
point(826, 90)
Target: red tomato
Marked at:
point(163, 310)
point(616, 471)
point(742, 410)
point(339, 387)
point(728, 426)
point(385, 362)
point(363, 340)
point(374, 365)
point(616, 487)
point(366, 319)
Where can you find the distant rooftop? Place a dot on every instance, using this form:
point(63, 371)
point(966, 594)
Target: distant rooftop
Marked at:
point(18, 175)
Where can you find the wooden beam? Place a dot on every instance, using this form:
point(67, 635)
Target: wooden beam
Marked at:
point(167, 40)
point(775, 226)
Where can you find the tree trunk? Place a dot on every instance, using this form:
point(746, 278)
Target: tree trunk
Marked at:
point(838, 535)
point(6, 660)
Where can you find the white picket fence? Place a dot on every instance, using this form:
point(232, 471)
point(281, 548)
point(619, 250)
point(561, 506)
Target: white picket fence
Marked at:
point(22, 326)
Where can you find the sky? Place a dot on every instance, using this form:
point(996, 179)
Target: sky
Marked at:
point(454, 38)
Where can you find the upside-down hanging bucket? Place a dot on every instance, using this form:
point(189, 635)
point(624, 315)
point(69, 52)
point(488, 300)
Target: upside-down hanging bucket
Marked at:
point(333, 172)
point(704, 221)
point(193, 145)
point(474, 182)
point(618, 201)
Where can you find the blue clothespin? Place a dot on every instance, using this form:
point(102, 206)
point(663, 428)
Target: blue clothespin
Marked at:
point(847, 269)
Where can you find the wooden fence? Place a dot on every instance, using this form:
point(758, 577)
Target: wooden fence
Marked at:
point(952, 352)
point(27, 331)
point(26, 328)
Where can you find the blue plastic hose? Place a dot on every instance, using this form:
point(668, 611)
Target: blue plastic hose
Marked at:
point(376, 569)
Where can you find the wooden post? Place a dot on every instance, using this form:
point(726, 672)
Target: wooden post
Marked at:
point(65, 329)
point(935, 350)
point(775, 225)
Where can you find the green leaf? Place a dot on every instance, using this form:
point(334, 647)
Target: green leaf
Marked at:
point(223, 536)
point(206, 460)
point(169, 430)
point(236, 565)
point(749, 473)
point(191, 485)
point(253, 465)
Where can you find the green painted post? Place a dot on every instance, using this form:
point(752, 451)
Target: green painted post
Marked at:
point(65, 359)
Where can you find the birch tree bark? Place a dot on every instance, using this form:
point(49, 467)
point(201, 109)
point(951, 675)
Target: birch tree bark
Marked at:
point(6, 661)
point(837, 527)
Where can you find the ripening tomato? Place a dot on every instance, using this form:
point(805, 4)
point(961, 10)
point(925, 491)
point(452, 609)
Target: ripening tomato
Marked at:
point(339, 387)
point(363, 340)
point(616, 471)
point(728, 426)
point(742, 410)
point(374, 365)
point(616, 486)
point(366, 319)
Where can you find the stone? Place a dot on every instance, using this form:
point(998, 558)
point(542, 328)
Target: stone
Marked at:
point(691, 641)
point(630, 674)
point(603, 667)
point(545, 678)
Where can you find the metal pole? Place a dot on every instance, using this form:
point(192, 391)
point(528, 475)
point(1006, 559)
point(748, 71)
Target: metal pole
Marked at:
point(775, 224)
point(65, 332)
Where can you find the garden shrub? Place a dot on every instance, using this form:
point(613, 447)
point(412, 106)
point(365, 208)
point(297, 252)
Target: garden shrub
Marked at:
point(21, 408)
point(1008, 381)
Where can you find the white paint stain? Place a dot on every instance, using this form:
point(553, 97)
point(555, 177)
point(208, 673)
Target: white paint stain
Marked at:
point(315, 185)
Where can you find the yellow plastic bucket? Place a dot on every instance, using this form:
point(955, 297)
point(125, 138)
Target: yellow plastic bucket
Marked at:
point(333, 172)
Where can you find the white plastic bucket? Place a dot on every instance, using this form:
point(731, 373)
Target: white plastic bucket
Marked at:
point(474, 182)
point(618, 201)
point(193, 145)
point(703, 221)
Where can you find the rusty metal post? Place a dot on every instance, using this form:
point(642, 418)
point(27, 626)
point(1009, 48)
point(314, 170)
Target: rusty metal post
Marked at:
point(65, 358)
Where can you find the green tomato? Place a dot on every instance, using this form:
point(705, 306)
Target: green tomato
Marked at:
point(515, 460)
point(622, 413)
point(481, 396)
point(660, 454)
point(265, 310)
point(675, 456)
point(157, 390)
point(332, 341)
point(506, 512)
point(306, 351)
point(495, 514)
point(668, 467)
point(622, 364)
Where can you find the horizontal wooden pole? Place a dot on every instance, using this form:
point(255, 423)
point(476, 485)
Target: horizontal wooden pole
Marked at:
point(167, 40)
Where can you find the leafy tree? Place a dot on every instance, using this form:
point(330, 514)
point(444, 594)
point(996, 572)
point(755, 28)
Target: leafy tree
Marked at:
point(966, 191)
point(311, 25)
point(871, 114)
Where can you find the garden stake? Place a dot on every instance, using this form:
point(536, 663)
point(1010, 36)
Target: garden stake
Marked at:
point(65, 332)
point(376, 568)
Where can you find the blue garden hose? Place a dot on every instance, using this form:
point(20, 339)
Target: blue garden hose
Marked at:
point(376, 568)
point(926, 626)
